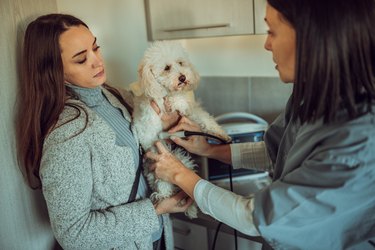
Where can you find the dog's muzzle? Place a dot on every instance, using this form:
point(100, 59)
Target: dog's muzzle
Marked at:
point(182, 79)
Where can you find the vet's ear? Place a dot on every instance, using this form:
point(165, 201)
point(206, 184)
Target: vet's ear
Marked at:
point(151, 87)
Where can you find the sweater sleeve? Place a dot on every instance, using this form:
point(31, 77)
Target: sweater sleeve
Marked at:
point(225, 206)
point(252, 155)
point(68, 187)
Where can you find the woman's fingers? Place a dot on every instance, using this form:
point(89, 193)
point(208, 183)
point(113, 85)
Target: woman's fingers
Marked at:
point(162, 151)
point(185, 124)
point(180, 195)
point(183, 200)
point(161, 148)
point(155, 107)
point(152, 156)
point(167, 105)
point(181, 142)
point(175, 204)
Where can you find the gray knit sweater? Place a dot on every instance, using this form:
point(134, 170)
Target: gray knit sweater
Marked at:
point(87, 180)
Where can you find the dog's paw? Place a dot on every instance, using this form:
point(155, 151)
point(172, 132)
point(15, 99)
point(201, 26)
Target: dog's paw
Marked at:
point(154, 197)
point(161, 194)
point(192, 211)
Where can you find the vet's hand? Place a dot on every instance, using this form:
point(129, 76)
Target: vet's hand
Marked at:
point(165, 165)
point(175, 204)
point(168, 118)
point(169, 168)
point(194, 144)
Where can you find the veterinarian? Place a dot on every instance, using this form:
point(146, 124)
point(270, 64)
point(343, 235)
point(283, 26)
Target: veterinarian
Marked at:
point(320, 151)
point(74, 140)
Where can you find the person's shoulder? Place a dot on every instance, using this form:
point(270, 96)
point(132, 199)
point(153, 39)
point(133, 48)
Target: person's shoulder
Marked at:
point(74, 113)
point(359, 130)
point(124, 92)
point(74, 121)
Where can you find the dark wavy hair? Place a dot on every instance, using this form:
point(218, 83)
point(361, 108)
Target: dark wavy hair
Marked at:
point(335, 57)
point(42, 92)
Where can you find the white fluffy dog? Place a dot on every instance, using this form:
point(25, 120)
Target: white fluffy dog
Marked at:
point(167, 76)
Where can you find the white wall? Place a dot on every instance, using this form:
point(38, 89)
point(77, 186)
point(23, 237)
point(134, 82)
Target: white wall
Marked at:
point(24, 220)
point(121, 29)
point(231, 56)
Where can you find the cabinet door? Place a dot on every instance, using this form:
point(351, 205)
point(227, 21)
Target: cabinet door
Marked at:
point(174, 19)
point(189, 236)
point(259, 14)
point(226, 241)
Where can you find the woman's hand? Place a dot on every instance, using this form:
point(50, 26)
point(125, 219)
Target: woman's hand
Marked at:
point(168, 168)
point(194, 144)
point(166, 165)
point(198, 144)
point(168, 118)
point(175, 204)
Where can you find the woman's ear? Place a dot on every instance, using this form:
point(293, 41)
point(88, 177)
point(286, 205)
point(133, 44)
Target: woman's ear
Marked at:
point(150, 85)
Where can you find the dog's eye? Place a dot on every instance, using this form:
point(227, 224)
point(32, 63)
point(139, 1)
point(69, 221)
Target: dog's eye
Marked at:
point(168, 67)
point(181, 63)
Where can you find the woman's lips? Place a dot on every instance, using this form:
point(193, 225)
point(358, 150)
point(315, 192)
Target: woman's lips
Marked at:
point(101, 73)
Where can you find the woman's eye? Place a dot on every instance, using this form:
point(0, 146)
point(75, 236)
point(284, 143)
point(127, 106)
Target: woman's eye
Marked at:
point(168, 67)
point(82, 61)
point(96, 48)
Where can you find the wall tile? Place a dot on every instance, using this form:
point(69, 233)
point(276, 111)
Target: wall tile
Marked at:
point(220, 95)
point(268, 97)
point(263, 96)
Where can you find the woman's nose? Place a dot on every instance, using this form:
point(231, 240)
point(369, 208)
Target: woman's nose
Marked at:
point(97, 61)
point(267, 44)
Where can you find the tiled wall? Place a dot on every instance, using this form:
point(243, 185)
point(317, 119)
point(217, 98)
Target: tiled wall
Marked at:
point(263, 96)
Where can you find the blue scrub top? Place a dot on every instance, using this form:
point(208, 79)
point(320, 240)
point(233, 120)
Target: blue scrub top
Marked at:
point(323, 192)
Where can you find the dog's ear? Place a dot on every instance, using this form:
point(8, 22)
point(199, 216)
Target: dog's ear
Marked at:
point(151, 87)
point(196, 76)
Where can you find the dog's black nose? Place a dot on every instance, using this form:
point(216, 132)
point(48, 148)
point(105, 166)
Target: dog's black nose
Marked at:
point(182, 78)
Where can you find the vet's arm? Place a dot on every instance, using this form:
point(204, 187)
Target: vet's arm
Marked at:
point(209, 198)
point(198, 144)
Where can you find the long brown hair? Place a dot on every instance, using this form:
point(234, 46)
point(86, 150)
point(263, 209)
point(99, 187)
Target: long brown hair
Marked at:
point(335, 57)
point(42, 92)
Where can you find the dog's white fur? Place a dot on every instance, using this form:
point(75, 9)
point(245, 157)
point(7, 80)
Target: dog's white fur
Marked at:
point(166, 75)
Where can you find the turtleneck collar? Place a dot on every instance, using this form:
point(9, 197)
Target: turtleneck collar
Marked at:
point(90, 96)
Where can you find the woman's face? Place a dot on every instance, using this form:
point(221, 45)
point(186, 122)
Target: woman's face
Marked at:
point(281, 41)
point(82, 61)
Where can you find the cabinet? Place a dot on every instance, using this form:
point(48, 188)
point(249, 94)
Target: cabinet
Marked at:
point(226, 241)
point(260, 26)
point(176, 19)
point(189, 236)
point(199, 234)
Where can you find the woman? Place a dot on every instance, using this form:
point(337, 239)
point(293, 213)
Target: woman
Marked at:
point(321, 148)
point(74, 138)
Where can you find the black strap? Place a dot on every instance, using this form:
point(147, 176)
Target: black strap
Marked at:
point(134, 191)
